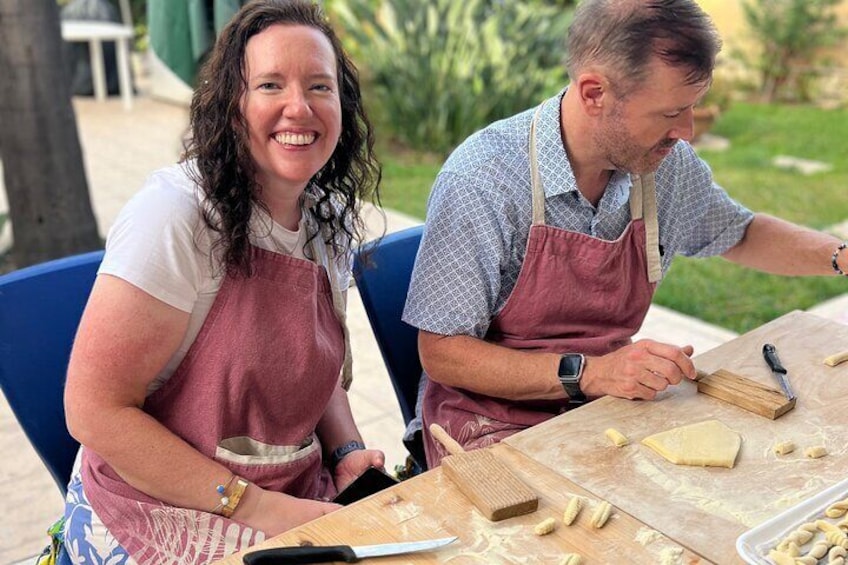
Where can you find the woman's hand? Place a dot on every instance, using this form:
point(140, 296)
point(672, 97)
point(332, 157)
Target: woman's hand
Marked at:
point(354, 464)
point(274, 512)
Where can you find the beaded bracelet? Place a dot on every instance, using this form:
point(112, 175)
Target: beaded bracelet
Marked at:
point(222, 492)
point(230, 499)
point(234, 498)
point(835, 256)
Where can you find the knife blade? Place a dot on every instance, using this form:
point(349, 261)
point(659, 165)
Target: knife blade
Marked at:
point(770, 355)
point(346, 553)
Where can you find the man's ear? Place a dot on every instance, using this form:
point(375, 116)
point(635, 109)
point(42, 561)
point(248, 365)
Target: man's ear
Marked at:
point(592, 90)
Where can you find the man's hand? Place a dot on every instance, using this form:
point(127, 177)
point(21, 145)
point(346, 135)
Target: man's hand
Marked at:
point(639, 370)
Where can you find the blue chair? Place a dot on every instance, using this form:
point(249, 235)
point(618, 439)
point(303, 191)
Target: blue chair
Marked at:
point(382, 270)
point(40, 309)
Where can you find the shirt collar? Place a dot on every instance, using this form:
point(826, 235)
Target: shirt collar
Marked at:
point(555, 168)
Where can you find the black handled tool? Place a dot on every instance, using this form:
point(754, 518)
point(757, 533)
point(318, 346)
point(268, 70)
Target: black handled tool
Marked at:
point(329, 553)
point(770, 355)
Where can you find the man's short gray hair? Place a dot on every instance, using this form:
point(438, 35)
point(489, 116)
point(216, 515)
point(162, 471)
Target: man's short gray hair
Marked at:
point(623, 36)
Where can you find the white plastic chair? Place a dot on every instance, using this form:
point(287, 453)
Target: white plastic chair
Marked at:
point(95, 33)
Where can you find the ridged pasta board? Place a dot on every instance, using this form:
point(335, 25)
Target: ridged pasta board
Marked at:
point(743, 392)
point(489, 484)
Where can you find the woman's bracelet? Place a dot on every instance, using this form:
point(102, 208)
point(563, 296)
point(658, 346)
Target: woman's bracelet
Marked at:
point(230, 497)
point(836, 256)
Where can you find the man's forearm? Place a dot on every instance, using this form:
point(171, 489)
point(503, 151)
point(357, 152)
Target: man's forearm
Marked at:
point(472, 364)
point(779, 247)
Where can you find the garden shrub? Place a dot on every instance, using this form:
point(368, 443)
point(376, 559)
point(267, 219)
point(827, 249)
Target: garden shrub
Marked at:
point(438, 70)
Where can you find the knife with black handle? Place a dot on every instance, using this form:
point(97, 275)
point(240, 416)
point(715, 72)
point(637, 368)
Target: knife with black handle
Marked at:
point(346, 553)
point(770, 355)
point(301, 554)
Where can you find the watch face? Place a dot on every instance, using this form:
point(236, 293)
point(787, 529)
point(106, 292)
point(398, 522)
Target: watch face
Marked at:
point(570, 371)
point(569, 367)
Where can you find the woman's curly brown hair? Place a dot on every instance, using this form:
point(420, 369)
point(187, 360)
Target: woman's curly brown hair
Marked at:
point(225, 169)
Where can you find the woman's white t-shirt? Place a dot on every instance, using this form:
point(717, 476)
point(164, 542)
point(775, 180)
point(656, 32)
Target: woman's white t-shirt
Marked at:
point(160, 244)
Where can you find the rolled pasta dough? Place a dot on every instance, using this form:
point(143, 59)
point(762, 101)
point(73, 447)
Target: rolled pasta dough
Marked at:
point(705, 444)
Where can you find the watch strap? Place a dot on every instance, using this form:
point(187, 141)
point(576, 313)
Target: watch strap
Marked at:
point(569, 376)
point(341, 451)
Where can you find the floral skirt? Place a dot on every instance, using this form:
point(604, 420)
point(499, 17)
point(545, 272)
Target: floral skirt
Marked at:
point(87, 540)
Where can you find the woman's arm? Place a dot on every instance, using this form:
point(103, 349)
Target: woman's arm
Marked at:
point(125, 338)
point(337, 428)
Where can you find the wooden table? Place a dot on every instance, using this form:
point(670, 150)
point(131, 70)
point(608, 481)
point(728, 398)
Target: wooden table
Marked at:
point(700, 511)
point(708, 508)
point(430, 506)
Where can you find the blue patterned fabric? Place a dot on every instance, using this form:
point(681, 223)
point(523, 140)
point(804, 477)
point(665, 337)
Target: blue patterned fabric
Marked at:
point(87, 541)
point(479, 217)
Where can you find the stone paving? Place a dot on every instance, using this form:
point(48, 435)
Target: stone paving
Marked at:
point(121, 148)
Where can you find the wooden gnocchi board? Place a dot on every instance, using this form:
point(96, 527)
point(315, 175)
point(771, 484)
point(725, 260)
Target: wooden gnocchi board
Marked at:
point(430, 506)
point(745, 393)
point(708, 508)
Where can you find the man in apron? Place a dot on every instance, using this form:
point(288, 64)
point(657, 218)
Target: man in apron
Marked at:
point(547, 232)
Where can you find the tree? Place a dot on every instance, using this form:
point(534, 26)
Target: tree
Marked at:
point(49, 205)
point(790, 34)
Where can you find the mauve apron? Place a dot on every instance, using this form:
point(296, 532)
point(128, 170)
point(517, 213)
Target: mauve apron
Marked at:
point(248, 394)
point(575, 293)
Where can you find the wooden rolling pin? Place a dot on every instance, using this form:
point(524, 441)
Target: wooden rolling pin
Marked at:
point(486, 481)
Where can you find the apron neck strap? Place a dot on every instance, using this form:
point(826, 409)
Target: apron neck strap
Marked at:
point(643, 202)
point(535, 178)
point(339, 305)
point(643, 205)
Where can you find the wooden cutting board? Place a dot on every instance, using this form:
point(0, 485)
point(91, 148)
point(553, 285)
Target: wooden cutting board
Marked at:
point(708, 508)
point(431, 506)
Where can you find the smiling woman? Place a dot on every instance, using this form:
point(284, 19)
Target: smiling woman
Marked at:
point(208, 379)
point(293, 113)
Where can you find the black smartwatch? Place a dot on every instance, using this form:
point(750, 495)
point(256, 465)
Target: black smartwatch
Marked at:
point(570, 372)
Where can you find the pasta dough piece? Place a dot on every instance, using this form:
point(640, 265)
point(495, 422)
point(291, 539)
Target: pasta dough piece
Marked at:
point(784, 447)
point(815, 452)
point(572, 559)
point(790, 547)
point(819, 550)
point(671, 556)
point(616, 437)
point(837, 509)
point(781, 558)
point(836, 359)
point(836, 537)
point(705, 444)
point(825, 526)
point(572, 510)
point(602, 514)
point(545, 527)
point(797, 538)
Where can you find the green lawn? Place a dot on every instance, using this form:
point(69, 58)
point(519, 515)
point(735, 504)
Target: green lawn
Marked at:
point(713, 289)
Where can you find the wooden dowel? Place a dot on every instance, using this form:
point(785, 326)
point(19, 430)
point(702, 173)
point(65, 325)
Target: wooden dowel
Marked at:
point(448, 442)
